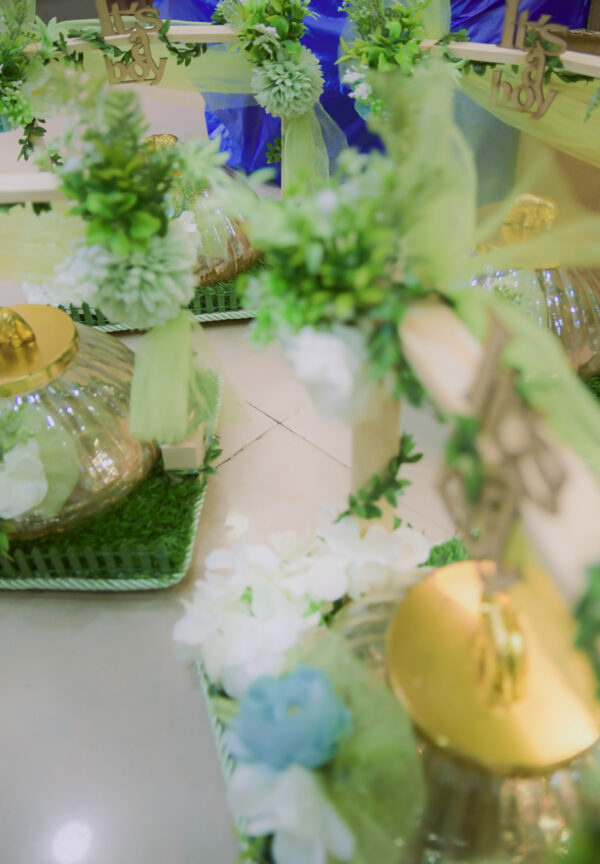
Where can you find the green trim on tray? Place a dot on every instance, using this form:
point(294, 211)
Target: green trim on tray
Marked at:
point(218, 302)
point(143, 542)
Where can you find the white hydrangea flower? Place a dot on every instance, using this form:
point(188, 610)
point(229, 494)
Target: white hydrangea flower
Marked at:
point(377, 558)
point(256, 601)
point(241, 621)
point(290, 804)
point(23, 483)
point(333, 366)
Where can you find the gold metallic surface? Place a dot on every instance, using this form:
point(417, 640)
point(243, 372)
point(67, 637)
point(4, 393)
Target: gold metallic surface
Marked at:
point(28, 363)
point(161, 141)
point(505, 690)
point(528, 215)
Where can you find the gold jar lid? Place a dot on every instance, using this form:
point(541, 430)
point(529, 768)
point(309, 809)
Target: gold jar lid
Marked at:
point(37, 343)
point(493, 677)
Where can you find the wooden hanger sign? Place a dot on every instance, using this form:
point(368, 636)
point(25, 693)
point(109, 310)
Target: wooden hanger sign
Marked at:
point(143, 68)
point(530, 95)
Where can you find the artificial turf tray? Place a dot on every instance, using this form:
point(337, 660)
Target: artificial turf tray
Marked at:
point(145, 541)
point(218, 302)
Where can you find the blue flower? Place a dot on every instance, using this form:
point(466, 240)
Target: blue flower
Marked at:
point(295, 719)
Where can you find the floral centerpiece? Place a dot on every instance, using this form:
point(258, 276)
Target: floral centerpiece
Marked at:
point(287, 81)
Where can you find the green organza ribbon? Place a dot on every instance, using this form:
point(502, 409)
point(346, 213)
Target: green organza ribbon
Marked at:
point(159, 407)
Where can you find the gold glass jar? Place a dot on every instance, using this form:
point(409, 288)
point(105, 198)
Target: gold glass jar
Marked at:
point(65, 446)
point(503, 709)
point(566, 301)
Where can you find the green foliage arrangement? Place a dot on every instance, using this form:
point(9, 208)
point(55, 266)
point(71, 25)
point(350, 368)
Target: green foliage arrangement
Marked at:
point(120, 183)
point(387, 486)
point(266, 29)
point(339, 258)
point(287, 78)
point(388, 34)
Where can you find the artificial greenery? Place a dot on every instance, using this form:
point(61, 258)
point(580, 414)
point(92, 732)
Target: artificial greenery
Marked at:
point(462, 453)
point(593, 385)
point(588, 615)
point(183, 54)
point(266, 29)
point(287, 78)
point(274, 151)
point(387, 486)
point(447, 553)
point(120, 186)
point(388, 34)
point(118, 181)
point(339, 258)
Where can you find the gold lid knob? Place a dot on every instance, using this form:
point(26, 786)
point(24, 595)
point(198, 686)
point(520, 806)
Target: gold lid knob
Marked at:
point(493, 679)
point(37, 343)
point(14, 332)
point(161, 141)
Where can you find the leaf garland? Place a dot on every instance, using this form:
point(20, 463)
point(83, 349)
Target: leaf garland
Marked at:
point(387, 486)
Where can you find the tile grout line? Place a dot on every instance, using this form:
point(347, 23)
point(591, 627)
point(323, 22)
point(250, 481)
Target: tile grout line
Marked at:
point(244, 447)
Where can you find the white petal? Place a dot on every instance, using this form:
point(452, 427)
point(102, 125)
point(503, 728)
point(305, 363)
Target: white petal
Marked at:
point(219, 559)
point(290, 848)
point(23, 483)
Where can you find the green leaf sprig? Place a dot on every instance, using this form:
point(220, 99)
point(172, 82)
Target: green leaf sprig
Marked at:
point(462, 453)
point(183, 54)
point(388, 34)
point(387, 486)
point(16, 33)
point(267, 29)
point(588, 615)
point(212, 453)
point(274, 151)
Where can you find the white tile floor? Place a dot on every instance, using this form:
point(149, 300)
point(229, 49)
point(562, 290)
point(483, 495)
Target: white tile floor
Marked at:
point(103, 732)
point(101, 724)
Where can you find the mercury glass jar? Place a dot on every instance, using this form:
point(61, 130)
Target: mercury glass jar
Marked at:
point(66, 451)
point(566, 301)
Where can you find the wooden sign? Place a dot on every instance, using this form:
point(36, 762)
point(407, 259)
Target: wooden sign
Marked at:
point(518, 461)
point(143, 68)
point(530, 95)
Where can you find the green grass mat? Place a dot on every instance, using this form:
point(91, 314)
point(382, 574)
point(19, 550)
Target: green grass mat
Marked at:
point(146, 535)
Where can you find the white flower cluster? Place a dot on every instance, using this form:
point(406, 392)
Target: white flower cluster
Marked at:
point(23, 483)
point(356, 77)
point(256, 601)
point(291, 806)
point(332, 364)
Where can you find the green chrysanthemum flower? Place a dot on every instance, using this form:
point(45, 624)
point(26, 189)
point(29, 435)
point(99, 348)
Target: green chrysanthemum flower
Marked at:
point(290, 87)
